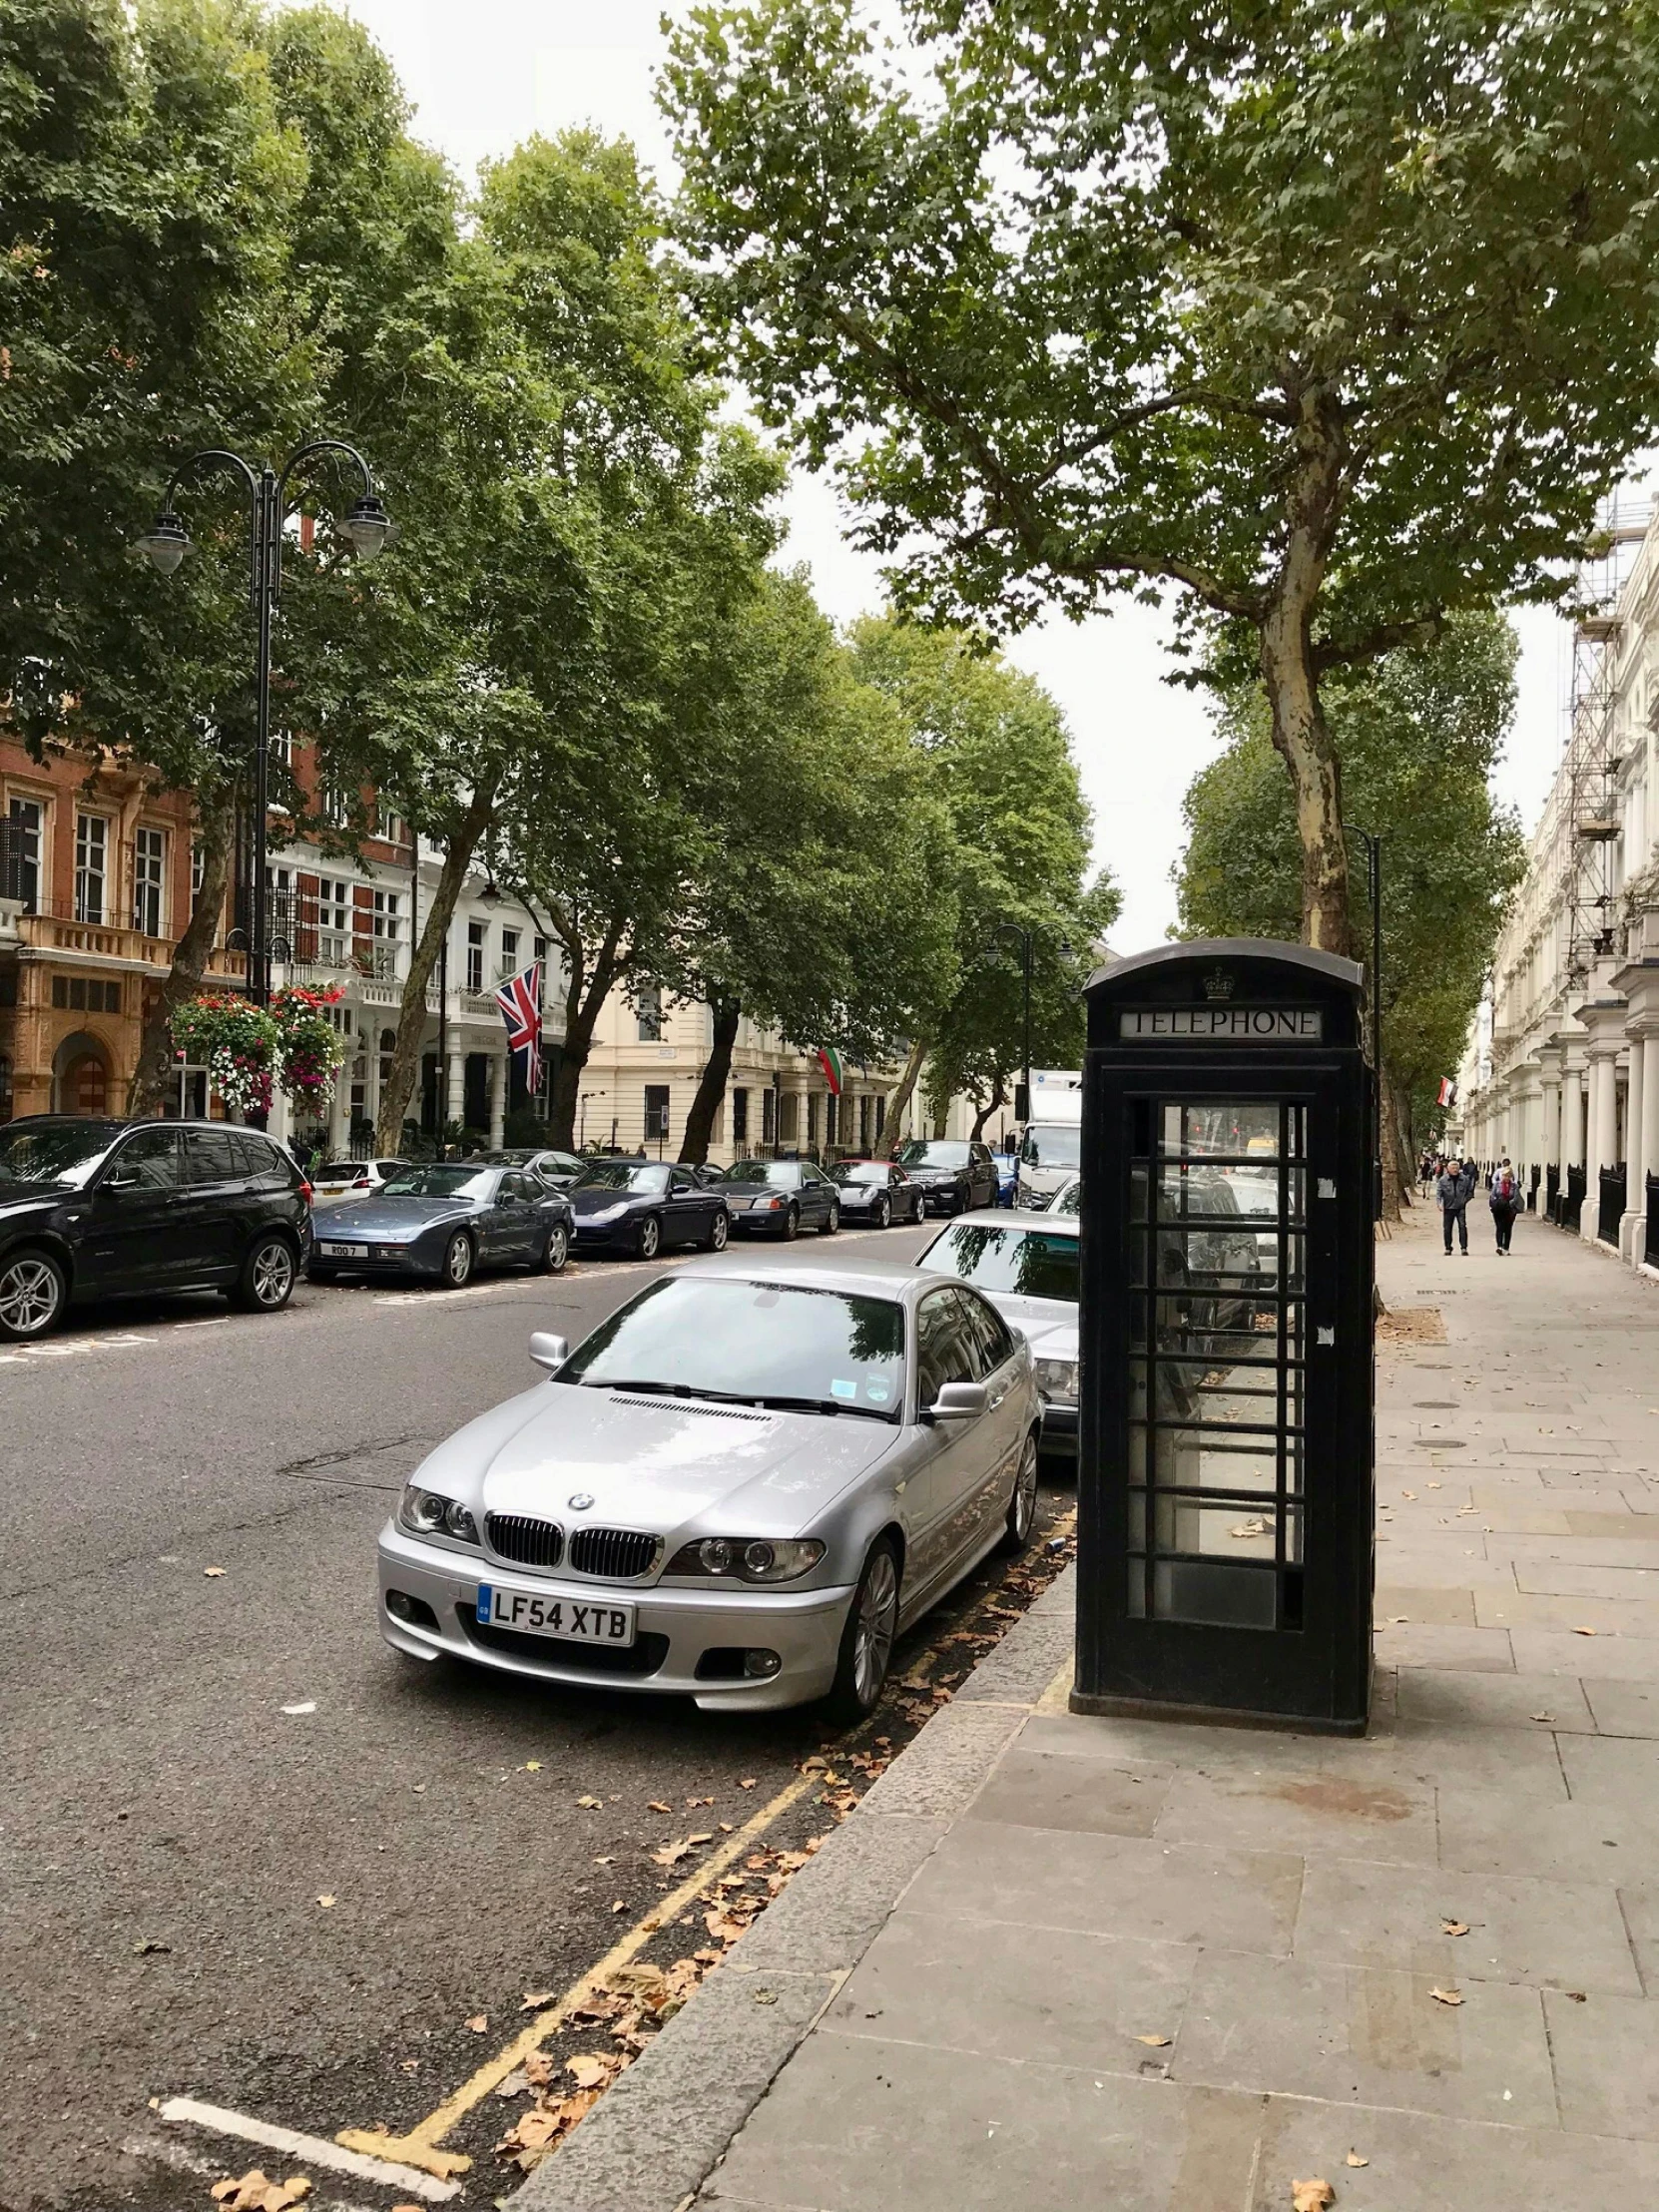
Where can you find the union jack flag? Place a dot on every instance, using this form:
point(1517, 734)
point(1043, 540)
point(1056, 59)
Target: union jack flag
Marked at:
point(519, 999)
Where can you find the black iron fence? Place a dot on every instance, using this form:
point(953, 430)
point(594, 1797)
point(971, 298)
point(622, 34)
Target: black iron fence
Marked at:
point(1572, 1206)
point(1532, 1189)
point(1611, 1209)
point(1650, 1240)
point(1552, 1193)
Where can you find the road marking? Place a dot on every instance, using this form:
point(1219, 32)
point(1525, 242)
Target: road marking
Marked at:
point(312, 2149)
point(420, 2147)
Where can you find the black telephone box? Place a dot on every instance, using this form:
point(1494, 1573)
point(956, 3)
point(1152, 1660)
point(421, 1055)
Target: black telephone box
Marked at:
point(1225, 1468)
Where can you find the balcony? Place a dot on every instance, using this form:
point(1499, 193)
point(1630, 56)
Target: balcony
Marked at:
point(46, 933)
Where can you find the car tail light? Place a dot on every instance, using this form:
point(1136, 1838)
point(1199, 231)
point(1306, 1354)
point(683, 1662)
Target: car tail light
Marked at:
point(305, 1191)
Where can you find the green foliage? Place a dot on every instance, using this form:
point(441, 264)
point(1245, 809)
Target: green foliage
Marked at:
point(1336, 319)
point(1419, 735)
point(998, 760)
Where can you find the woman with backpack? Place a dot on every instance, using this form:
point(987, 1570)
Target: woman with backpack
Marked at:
point(1506, 1202)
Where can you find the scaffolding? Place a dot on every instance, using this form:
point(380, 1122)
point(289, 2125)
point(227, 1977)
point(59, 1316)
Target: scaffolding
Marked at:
point(1593, 751)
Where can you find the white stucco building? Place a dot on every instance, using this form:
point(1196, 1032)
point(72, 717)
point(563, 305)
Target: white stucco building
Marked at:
point(1567, 1081)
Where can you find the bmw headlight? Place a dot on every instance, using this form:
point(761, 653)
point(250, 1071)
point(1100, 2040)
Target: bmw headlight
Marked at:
point(1057, 1381)
point(427, 1513)
point(747, 1559)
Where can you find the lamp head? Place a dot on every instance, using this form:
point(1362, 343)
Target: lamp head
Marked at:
point(165, 544)
point(368, 526)
point(491, 893)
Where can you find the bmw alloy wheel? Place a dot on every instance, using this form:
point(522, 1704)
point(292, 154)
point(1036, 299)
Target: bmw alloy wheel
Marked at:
point(269, 1276)
point(31, 1294)
point(877, 1623)
point(1022, 1507)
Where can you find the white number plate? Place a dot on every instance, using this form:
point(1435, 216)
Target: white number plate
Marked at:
point(578, 1620)
point(345, 1252)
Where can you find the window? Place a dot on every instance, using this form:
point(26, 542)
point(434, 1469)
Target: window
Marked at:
point(281, 746)
point(388, 914)
point(509, 953)
point(91, 856)
point(477, 937)
point(333, 919)
point(863, 1123)
point(649, 1006)
point(197, 864)
point(945, 1353)
point(832, 1118)
point(539, 953)
point(336, 805)
point(150, 1159)
point(87, 993)
point(739, 1117)
point(20, 863)
point(655, 1110)
point(211, 1157)
point(769, 1115)
point(811, 1117)
point(393, 828)
point(150, 882)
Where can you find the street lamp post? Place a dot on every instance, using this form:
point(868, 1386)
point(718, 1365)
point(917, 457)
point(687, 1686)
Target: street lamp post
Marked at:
point(1022, 1106)
point(165, 545)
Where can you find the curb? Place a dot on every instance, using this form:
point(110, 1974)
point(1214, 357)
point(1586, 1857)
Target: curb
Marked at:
point(666, 2124)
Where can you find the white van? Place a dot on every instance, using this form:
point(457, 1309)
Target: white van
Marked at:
point(1051, 1143)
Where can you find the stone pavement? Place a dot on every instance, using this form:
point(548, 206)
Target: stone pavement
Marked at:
point(1166, 1969)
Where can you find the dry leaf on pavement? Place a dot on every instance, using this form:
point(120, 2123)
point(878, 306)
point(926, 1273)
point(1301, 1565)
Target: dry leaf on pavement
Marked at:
point(213, 1573)
point(325, 1900)
point(657, 1806)
point(1455, 1927)
point(703, 1836)
point(1583, 1631)
point(1543, 1715)
point(535, 1997)
point(1157, 2042)
point(748, 1785)
point(589, 1803)
point(1446, 1996)
point(590, 2069)
point(255, 2192)
point(671, 1853)
point(1353, 2159)
point(478, 2022)
point(1312, 2196)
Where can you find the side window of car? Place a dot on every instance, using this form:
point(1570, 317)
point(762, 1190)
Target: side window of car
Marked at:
point(151, 1159)
point(990, 1330)
point(944, 1351)
point(255, 1159)
point(211, 1156)
point(681, 1180)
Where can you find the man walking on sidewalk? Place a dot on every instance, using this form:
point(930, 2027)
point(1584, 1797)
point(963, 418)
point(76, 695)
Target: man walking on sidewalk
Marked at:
point(1452, 1191)
point(1505, 1200)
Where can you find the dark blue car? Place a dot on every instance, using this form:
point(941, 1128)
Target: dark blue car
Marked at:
point(437, 1224)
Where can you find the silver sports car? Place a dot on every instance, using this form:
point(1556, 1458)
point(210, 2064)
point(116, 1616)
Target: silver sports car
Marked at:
point(741, 1486)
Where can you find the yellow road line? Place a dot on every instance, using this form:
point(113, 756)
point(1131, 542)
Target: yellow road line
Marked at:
point(420, 2147)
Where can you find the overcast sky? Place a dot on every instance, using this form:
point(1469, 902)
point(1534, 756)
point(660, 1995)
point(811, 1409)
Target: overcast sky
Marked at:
point(484, 74)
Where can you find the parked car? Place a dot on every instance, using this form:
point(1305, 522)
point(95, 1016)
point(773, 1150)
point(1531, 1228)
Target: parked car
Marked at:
point(739, 1488)
point(113, 1209)
point(1026, 1264)
point(1068, 1199)
point(876, 1191)
point(440, 1223)
point(557, 1169)
point(1007, 1176)
point(953, 1174)
point(780, 1198)
point(646, 1206)
point(337, 1179)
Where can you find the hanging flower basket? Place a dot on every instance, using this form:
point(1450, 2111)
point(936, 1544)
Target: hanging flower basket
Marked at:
point(235, 1041)
point(309, 1048)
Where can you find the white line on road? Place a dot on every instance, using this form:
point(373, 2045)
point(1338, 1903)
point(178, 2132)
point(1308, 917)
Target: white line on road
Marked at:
point(314, 2149)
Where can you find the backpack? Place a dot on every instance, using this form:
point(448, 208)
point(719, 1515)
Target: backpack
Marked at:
point(1504, 1187)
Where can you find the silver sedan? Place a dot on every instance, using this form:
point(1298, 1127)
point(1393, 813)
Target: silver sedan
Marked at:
point(741, 1486)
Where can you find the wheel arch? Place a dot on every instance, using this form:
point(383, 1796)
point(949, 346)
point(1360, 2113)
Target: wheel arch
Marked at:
point(53, 1243)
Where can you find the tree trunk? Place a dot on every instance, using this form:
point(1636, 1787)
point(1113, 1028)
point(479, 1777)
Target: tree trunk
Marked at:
point(398, 1087)
point(998, 1098)
point(1291, 675)
point(710, 1085)
point(189, 958)
point(893, 1127)
point(588, 992)
point(1388, 1145)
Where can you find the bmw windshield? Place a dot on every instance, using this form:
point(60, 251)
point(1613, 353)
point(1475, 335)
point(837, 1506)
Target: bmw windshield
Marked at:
point(752, 1343)
point(58, 1153)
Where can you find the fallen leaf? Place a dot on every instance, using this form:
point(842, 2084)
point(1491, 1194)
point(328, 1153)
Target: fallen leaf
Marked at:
point(1446, 1996)
point(1543, 1715)
point(309, 1706)
point(748, 1784)
point(539, 2069)
point(589, 1803)
point(1578, 1996)
point(703, 1836)
point(670, 1854)
point(590, 2069)
point(656, 1805)
point(478, 2022)
point(1250, 1529)
point(255, 2192)
point(1398, 1620)
point(1412, 1494)
point(1583, 1631)
point(535, 1997)
point(1312, 2196)
point(1353, 2159)
point(213, 1574)
point(148, 1947)
point(1455, 1927)
point(619, 1904)
point(325, 1902)
point(532, 1766)
point(691, 1800)
point(1154, 2043)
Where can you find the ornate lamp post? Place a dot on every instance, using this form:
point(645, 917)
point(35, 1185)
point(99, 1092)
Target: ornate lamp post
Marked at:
point(165, 544)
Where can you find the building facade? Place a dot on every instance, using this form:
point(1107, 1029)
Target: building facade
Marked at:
point(1563, 1070)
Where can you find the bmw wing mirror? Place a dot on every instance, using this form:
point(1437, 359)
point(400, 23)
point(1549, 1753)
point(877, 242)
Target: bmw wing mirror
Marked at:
point(960, 1401)
point(548, 1351)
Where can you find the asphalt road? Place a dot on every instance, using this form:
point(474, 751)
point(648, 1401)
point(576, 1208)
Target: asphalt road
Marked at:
point(167, 1829)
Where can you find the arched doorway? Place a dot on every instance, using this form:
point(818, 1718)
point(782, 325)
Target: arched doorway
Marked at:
point(81, 1076)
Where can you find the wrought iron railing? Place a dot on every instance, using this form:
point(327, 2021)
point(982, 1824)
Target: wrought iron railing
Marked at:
point(1610, 1212)
point(1552, 1193)
point(1572, 1205)
point(1650, 1240)
point(1532, 1189)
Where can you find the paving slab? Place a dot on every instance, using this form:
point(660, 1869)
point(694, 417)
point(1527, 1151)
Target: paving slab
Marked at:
point(1511, 1701)
point(1624, 1708)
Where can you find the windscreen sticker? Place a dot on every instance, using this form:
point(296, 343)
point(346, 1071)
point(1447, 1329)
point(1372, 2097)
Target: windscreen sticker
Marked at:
point(878, 1392)
point(841, 1389)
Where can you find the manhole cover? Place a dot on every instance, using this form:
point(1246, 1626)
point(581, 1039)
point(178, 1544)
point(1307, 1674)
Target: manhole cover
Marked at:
point(1436, 1405)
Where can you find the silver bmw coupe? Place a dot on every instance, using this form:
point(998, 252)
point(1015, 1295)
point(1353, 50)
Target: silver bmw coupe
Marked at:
point(740, 1487)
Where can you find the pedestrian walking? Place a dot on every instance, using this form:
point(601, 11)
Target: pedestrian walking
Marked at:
point(1452, 1194)
point(1505, 1203)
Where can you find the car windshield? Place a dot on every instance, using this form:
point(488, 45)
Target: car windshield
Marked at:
point(1070, 1199)
point(439, 1182)
point(930, 1152)
point(756, 1344)
point(859, 1171)
point(783, 1175)
point(1032, 1263)
point(622, 1175)
point(56, 1154)
point(1052, 1144)
point(342, 1170)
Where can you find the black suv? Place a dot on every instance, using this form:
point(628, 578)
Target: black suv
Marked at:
point(118, 1208)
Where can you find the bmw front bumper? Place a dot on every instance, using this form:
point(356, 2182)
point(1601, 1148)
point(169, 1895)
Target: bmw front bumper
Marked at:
point(1059, 1431)
point(675, 1629)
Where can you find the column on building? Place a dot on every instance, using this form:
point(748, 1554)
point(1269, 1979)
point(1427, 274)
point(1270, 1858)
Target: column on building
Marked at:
point(1529, 1116)
point(500, 1083)
point(1572, 1111)
point(1648, 1046)
point(1549, 1132)
point(1634, 1219)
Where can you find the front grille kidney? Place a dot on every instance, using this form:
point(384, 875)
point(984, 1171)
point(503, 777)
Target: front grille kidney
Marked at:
point(519, 1536)
point(619, 1554)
